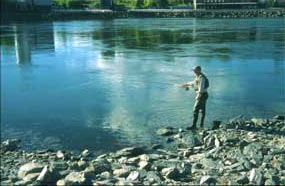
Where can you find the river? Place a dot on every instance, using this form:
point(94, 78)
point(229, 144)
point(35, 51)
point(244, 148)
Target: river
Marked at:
point(104, 85)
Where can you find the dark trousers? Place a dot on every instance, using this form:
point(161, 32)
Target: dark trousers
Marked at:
point(200, 105)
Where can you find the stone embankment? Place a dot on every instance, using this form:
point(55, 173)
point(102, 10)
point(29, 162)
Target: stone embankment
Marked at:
point(238, 152)
point(168, 13)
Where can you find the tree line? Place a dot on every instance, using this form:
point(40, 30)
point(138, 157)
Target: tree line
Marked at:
point(122, 4)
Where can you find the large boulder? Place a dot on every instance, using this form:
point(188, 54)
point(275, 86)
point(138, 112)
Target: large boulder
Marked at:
point(29, 168)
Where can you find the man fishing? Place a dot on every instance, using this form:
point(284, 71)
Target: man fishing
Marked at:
point(200, 85)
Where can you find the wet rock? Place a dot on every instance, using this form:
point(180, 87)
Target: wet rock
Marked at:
point(279, 117)
point(169, 140)
point(85, 153)
point(61, 182)
point(43, 175)
point(130, 152)
point(10, 145)
point(270, 182)
point(59, 155)
point(59, 165)
point(144, 165)
point(31, 177)
point(171, 173)
point(23, 182)
point(75, 178)
point(256, 176)
point(29, 168)
point(164, 132)
point(216, 125)
point(259, 122)
point(192, 141)
point(82, 164)
point(133, 176)
point(156, 146)
point(121, 172)
point(242, 180)
point(208, 180)
point(153, 177)
point(101, 166)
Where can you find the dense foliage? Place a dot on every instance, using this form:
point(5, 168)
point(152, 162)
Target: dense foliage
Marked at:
point(127, 4)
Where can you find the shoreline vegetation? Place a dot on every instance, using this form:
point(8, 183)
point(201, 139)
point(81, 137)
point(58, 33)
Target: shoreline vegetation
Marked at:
point(236, 152)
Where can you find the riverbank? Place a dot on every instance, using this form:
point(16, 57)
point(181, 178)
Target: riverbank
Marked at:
point(151, 13)
point(236, 152)
point(168, 13)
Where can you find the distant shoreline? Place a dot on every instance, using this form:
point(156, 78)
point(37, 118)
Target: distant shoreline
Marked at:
point(146, 13)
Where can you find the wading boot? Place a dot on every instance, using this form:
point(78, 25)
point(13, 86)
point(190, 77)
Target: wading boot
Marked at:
point(203, 115)
point(193, 126)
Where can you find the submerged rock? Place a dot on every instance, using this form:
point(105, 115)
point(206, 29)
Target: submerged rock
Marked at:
point(164, 132)
point(10, 145)
point(130, 152)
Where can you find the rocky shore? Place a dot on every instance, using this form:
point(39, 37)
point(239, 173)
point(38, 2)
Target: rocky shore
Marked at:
point(169, 13)
point(237, 152)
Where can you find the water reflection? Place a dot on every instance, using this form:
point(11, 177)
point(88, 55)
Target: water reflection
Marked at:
point(38, 38)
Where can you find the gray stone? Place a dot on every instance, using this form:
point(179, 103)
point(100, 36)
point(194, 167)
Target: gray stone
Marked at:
point(29, 168)
point(101, 166)
point(85, 153)
point(216, 125)
point(59, 165)
point(10, 145)
point(43, 175)
point(61, 182)
point(256, 176)
point(164, 132)
point(259, 122)
point(133, 176)
point(121, 172)
point(153, 177)
point(144, 165)
point(31, 177)
point(171, 173)
point(59, 154)
point(242, 180)
point(75, 178)
point(270, 182)
point(130, 152)
point(192, 141)
point(82, 164)
point(208, 180)
point(279, 117)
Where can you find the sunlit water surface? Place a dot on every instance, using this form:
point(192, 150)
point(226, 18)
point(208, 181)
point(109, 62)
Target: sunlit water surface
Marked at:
point(104, 85)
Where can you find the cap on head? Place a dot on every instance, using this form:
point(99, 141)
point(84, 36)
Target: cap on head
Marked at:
point(197, 68)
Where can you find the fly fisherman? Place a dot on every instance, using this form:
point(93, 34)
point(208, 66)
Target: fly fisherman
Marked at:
point(200, 85)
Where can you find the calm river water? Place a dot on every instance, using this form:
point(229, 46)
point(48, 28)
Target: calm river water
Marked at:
point(105, 85)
